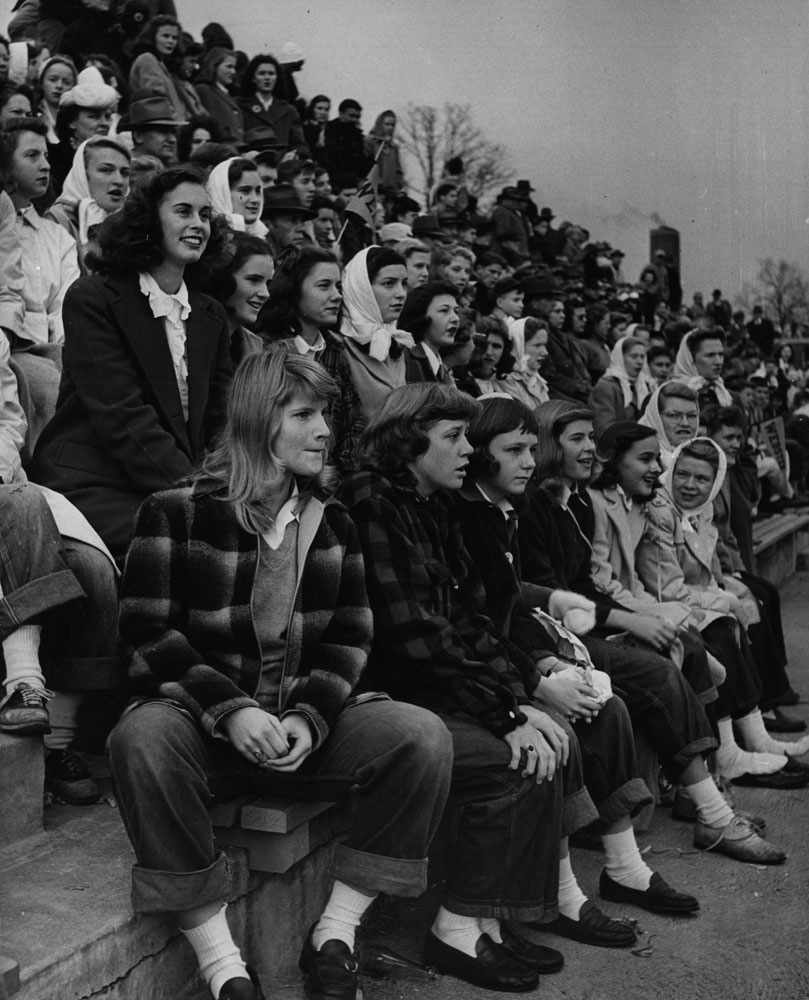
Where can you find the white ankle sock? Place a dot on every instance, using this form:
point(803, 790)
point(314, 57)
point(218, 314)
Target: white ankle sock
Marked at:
point(571, 898)
point(712, 809)
point(218, 956)
point(63, 712)
point(755, 737)
point(21, 653)
point(490, 926)
point(733, 762)
point(457, 931)
point(342, 915)
point(624, 863)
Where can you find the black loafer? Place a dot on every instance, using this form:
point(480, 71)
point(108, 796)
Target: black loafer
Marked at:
point(658, 898)
point(332, 971)
point(242, 989)
point(536, 956)
point(492, 968)
point(592, 927)
point(785, 779)
point(782, 723)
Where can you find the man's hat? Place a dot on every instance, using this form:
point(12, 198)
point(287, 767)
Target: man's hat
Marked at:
point(260, 138)
point(282, 199)
point(148, 108)
point(524, 187)
point(427, 225)
point(510, 192)
point(540, 286)
point(546, 214)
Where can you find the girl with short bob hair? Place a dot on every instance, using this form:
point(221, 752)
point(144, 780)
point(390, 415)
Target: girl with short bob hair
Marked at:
point(157, 48)
point(146, 357)
point(244, 604)
point(430, 313)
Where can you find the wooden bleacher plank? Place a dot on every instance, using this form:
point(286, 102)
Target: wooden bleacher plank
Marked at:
point(274, 815)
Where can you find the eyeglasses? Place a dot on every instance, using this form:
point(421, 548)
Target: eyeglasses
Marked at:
point(680, 418)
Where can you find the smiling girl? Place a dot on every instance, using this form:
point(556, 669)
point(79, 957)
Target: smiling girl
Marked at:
point(234, 186)
point(146, 358)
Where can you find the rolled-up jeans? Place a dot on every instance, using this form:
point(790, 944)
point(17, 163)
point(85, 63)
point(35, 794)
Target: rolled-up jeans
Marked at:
point(390, 760)
point(505, 863)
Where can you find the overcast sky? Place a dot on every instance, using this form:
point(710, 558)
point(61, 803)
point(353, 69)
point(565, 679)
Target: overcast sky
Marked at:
point(617, 110)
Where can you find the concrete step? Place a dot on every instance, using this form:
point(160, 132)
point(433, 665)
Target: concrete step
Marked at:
point(68, 930)
point(22, 778)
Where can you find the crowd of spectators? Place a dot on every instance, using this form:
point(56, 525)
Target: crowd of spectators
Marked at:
point(210, 320)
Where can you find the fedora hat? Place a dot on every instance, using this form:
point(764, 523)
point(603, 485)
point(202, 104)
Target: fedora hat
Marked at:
point(282, 199)
point(547, 214)
point(148, 108)
point(427, 225)
point(524, 187)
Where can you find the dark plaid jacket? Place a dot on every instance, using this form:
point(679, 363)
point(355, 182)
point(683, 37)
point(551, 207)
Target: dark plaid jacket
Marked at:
point(433, 644)
point(186, 615)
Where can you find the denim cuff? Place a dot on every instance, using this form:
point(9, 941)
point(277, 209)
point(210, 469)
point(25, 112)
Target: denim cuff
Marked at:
point(158, 892)
point(36, 597)
point(628, 800)
point(684, 756)
point(578, 811)
point(371, 873)
point(520, 911)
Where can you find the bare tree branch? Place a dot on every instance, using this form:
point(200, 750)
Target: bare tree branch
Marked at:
point(431, 137)
point(780, 287)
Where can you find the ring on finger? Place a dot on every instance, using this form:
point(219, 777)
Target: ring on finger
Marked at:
point(258, 755)
point(530, 749)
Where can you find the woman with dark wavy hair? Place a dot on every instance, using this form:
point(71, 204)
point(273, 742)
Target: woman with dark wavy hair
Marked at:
point(146, 357)
point(242, 285)
point(305, 306)
point(260, 106)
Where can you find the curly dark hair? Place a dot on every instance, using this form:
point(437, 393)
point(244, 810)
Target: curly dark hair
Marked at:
point(239, 249)
point(293, 266)
point(248, 88)
point(613, 444)
point(145, 41)
point(492, 325)
point(413, 316)
point(131, 240)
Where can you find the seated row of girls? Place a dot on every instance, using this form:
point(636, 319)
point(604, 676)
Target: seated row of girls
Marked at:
point(623, 497)
point(673, 412)
point(558, 669)
point(556, 540)
point(214, 647)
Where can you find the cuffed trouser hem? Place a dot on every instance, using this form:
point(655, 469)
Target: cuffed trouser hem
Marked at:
point(628, 800)
point(698, 748)
point(161, 892)
point(578, 811)
point(35, 598)
point(371, 873)
point(518, 911)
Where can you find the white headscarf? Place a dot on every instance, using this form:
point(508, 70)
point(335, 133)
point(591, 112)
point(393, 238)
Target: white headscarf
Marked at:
point(651, 418)
point(362, 319)
point(691, 518)
point(685, 370)
point(76, 189)
point(218, 187)
point(634, 390)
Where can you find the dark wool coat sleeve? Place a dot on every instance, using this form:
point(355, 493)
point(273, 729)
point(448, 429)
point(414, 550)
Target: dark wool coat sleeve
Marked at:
point(433, 645)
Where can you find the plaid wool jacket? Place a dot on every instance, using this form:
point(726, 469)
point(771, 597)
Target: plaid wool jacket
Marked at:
point(186, 615)
point(433, 644)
